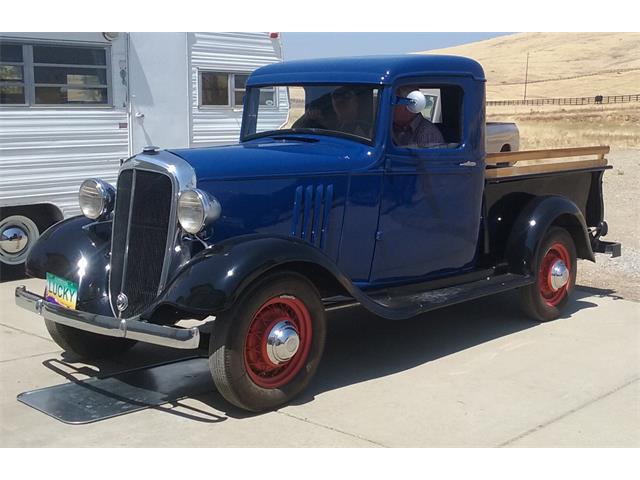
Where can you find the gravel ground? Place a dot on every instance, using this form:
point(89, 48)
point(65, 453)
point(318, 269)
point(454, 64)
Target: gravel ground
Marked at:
point(621, 185)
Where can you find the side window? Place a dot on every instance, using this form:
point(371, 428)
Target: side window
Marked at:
point(432, 109)
point(53, 75)
point(11, 75)
point(437, 125)
point(69, 75)
point(214, 89)
point(225, 89)
point(239, 85)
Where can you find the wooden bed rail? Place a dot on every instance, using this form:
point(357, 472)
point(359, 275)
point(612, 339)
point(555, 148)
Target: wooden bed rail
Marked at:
point(503, 164)
point(513, 157)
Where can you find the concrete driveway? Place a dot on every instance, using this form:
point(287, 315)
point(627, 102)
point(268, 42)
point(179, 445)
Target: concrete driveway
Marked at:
point(478, 375)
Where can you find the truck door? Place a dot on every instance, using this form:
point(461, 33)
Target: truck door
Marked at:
point(432, 192)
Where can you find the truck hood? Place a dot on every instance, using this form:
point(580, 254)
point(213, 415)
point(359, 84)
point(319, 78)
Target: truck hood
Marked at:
point(292, 155)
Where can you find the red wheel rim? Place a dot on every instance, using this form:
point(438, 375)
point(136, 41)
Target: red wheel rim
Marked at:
point(262, 371)
point(556, 252)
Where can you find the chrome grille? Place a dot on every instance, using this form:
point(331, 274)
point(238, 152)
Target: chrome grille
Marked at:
point(142, 226)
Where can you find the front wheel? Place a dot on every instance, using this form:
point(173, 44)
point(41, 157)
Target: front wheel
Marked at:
point(264, 351)
point(555, 277)
point(87, 345)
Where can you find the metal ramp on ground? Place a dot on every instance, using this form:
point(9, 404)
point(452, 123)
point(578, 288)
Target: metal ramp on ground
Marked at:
point(95, 399)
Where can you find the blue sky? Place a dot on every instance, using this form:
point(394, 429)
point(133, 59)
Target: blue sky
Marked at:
point(299, 45)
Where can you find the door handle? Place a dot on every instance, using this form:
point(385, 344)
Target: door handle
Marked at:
point(468, 164)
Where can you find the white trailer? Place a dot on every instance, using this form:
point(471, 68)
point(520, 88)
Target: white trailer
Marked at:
point(72, 105)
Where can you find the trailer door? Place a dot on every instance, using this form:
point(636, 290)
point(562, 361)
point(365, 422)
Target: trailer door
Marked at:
point(159, 90)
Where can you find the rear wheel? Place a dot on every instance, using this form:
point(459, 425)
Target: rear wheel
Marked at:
point(18, 233)
point(87, 345)
point(20, 227)
point(555, 277)
point(264, 351)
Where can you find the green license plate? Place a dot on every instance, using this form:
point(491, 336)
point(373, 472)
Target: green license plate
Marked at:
point(61, 291)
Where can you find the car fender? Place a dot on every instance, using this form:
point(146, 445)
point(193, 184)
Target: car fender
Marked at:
point(76, 249)
point(531, 225)
point(213, 280)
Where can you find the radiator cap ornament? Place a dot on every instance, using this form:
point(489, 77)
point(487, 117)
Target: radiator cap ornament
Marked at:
point(122, 302)
point(150, 149)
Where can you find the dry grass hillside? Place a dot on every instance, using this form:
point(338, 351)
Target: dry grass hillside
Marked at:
point(560, 64)
point(563, 65)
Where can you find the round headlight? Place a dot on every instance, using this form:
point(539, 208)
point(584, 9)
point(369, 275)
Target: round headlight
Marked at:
point(196, 209)
point(96, 198)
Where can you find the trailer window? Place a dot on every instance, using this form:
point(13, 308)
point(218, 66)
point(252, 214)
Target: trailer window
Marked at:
point(214, 88)
point(225, 89)
point(11, 75)
point(53, 75)
point(69, 75)
point(239, 85)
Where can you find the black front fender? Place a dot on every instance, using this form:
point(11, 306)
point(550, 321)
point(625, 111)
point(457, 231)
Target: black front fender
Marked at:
point(76, 249)
point(213, 279)
point(532, 224)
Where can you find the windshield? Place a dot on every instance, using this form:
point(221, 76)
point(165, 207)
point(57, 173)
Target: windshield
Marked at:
point(339, 110)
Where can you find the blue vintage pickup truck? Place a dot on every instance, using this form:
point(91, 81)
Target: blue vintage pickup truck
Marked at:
point(362, 197)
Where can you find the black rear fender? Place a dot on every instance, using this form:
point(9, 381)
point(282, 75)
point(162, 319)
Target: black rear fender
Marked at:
point(532, 223)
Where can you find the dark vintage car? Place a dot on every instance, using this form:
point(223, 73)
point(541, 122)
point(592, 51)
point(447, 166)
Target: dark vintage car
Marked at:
point(357, 200)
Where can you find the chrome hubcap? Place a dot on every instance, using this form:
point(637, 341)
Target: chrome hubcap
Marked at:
point(13, 240)
point(283, 342)
point(559, 275)
point(17, 234)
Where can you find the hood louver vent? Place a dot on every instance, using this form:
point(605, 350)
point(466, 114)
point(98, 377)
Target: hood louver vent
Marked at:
point(311, 209)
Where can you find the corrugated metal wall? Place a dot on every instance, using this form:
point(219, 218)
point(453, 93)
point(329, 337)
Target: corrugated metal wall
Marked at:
point(229, 52)
point(46, 154)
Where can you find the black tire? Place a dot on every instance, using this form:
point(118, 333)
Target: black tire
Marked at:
point(227, 361)
point(87, 345)
point(533, 300)
point(9, 273)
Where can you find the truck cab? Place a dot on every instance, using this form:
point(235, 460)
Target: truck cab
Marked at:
point(362, 197)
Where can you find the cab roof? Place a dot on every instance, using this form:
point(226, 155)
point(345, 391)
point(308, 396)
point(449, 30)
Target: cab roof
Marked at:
point(381, 70)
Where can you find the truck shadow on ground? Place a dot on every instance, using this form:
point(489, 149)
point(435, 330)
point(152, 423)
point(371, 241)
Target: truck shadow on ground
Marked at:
point(360, 347)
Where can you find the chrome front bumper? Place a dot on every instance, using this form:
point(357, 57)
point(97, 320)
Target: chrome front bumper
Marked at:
point(186, 338)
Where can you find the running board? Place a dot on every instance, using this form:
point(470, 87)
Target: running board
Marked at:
point(404, 302)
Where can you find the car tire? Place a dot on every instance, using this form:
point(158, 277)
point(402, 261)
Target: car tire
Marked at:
point(249, 372)
point(87, 345)
point(545, 299)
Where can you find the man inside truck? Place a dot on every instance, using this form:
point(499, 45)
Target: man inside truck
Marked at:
point(349, 104)
point(412, 129)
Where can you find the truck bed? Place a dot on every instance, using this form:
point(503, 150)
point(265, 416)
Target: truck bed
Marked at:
point(513, 179)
